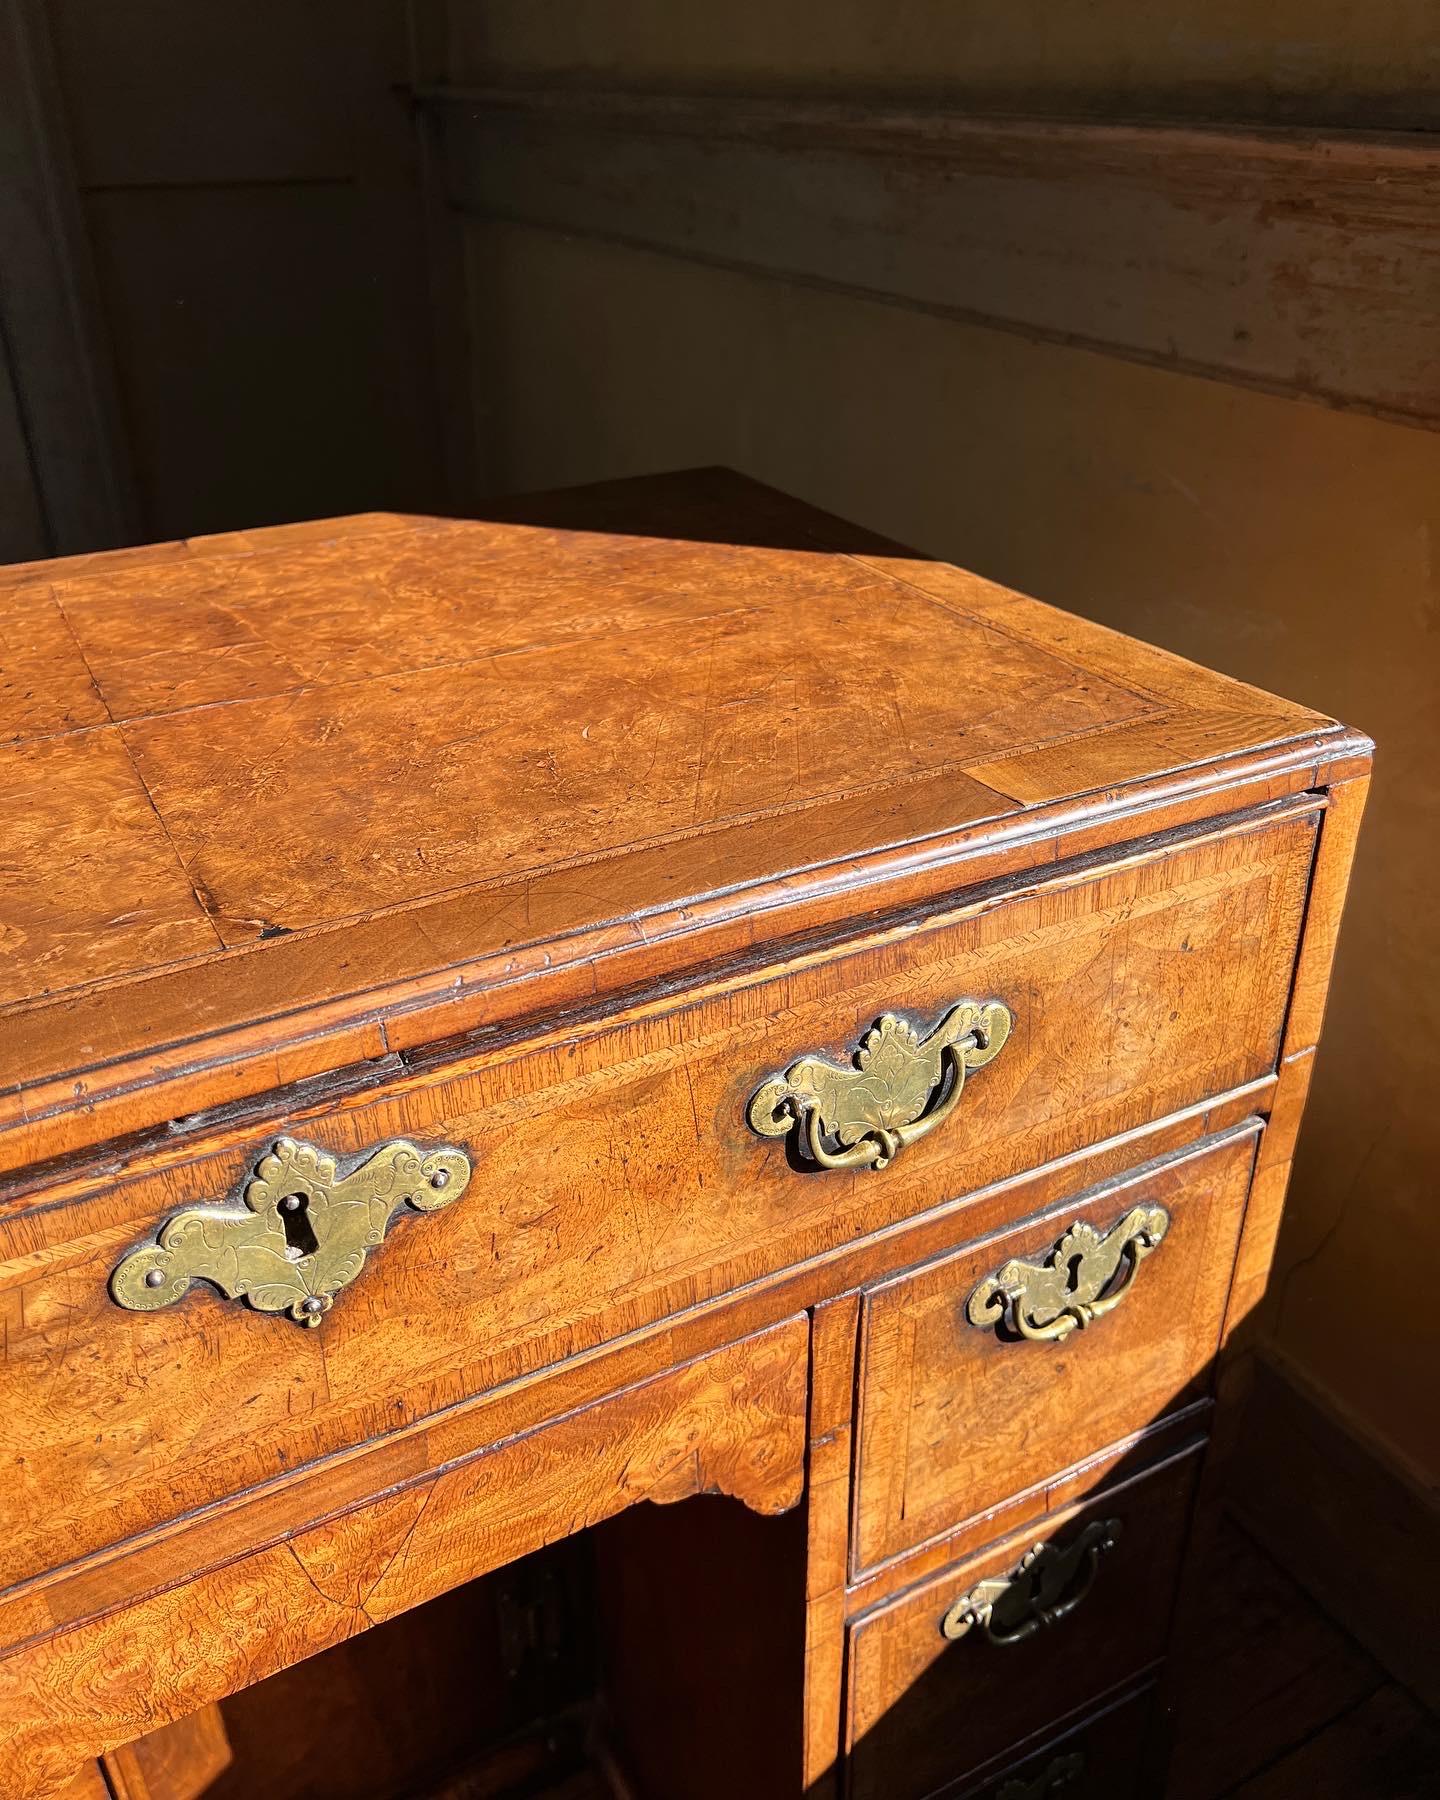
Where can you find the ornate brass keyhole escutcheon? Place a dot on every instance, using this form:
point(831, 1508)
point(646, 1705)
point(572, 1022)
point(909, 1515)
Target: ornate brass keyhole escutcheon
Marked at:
point(1084, 1277)
point(898, 1086)
point(299, 1233)
point(1044, 1587)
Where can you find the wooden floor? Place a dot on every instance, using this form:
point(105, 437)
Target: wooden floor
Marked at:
point(1284, 1705)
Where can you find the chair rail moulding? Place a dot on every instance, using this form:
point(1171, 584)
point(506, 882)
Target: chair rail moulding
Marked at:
point(1298, 262)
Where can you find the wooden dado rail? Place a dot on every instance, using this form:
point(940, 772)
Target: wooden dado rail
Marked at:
point(1301, 263)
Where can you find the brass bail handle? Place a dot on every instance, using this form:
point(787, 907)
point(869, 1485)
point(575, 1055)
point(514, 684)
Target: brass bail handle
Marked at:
point(1085, 1276)
point(1060, 1773)
point(1043, 1588)
point(897, 1087)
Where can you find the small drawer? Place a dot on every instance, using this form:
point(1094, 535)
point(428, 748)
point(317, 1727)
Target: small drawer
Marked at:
point(599, 1177)
point(1105, 1757)
point(1122, 1293)
point(994, 1650)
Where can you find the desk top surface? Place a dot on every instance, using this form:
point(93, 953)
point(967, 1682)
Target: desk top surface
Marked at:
point(248, 776)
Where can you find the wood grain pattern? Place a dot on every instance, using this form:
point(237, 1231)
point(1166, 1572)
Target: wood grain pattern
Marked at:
point(1297, 262)
point(88, 1784)
point(44, 684)
point(296, 1031)
point(615, 1182)
point(1033, 1508)
point(923, 1711)
point(673, 745)
point(293, 1499)
point(733, 1422)
point(569, 761)
point(181, 1762)
point(551, 837)
point(90, 879)
point(1322, 920)
point(832, 1403)
point(952, 1415)
point(1255, 1253)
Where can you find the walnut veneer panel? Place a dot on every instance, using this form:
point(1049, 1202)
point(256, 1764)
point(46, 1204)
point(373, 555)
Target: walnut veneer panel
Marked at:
point(953, 1415)
point(923, 1710)
point(88, 877)
point(383, 767)
point(44, 684)
point(534, 697)
point(101, 1668)
point(616, 1180)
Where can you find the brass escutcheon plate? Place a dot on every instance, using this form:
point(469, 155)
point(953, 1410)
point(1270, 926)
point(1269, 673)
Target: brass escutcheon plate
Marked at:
point(1044, 1587)
point(1084, 1277)
point(300, 1232)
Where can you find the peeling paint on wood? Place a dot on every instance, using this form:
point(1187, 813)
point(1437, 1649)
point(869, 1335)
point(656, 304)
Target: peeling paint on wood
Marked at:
point(1300, 263)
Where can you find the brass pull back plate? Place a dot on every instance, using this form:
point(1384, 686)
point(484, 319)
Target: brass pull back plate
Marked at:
point(1044, 1587)
point(897, 1087)
point(300, 1232)
point(1084, 1277)
point(1060, 1773)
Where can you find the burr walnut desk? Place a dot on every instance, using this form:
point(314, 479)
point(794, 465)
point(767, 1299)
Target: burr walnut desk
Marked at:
point(667, 998)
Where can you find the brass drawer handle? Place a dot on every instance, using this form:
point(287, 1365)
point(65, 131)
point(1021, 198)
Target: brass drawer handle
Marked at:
point(299, 1234)
point(1044, 1587)
point(1075, 1285)
point(1054, 1778)
point(863, 1115)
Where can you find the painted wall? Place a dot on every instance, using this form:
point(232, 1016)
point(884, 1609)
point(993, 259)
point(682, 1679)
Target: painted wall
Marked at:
point(1253, 59)
point(1290, 545)
point(250, 214)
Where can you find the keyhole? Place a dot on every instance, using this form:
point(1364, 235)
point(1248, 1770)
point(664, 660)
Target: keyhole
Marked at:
point(300, 1239)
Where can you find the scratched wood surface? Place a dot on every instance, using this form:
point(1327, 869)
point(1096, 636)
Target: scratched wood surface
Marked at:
point(616, 1182)
point(280, 802)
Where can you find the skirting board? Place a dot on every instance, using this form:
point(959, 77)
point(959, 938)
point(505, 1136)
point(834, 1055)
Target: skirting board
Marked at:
point(1349, 1525)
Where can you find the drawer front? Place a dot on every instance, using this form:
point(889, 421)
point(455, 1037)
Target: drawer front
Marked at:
point(960, 1408)
point(114, 1651)
point(1104, 1758)
point(1090, 1611)
point(613, 1180)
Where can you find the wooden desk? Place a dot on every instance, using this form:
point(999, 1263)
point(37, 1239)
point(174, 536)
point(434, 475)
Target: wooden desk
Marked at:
point(667, 996)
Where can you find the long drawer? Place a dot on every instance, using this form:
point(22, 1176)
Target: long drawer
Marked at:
point(1071, 1331)
point(541, 1198)
point(994, 1649)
